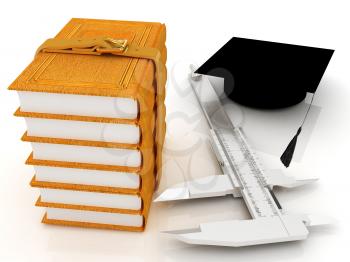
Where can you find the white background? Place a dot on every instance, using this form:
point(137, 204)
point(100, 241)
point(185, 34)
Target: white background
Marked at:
point(195, 31)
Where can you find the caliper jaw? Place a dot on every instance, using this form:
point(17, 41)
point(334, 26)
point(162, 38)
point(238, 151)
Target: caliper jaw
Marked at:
point(237, 233)
point(220, 185)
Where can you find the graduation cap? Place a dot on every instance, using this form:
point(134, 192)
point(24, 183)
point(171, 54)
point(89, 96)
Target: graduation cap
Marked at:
point(268, 75)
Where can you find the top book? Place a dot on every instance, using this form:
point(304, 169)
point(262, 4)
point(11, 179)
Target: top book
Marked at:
point(104, 75)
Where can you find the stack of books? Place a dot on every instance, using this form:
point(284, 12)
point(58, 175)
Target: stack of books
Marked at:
point(97, 127)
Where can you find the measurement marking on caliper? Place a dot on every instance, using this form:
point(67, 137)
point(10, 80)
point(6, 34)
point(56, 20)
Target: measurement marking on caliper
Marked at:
point(252, 183)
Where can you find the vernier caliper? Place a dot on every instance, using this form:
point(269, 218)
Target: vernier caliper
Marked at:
point(243, 177)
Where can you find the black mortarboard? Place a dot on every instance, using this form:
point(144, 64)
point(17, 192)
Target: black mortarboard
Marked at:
point(268, 75)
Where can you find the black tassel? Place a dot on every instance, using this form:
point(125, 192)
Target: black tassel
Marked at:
point(287, 155)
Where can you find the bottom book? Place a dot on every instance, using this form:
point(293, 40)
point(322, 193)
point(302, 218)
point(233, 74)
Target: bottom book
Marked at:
point(94, 219)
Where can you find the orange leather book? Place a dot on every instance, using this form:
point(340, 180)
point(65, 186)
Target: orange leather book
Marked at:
point(69, 100)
